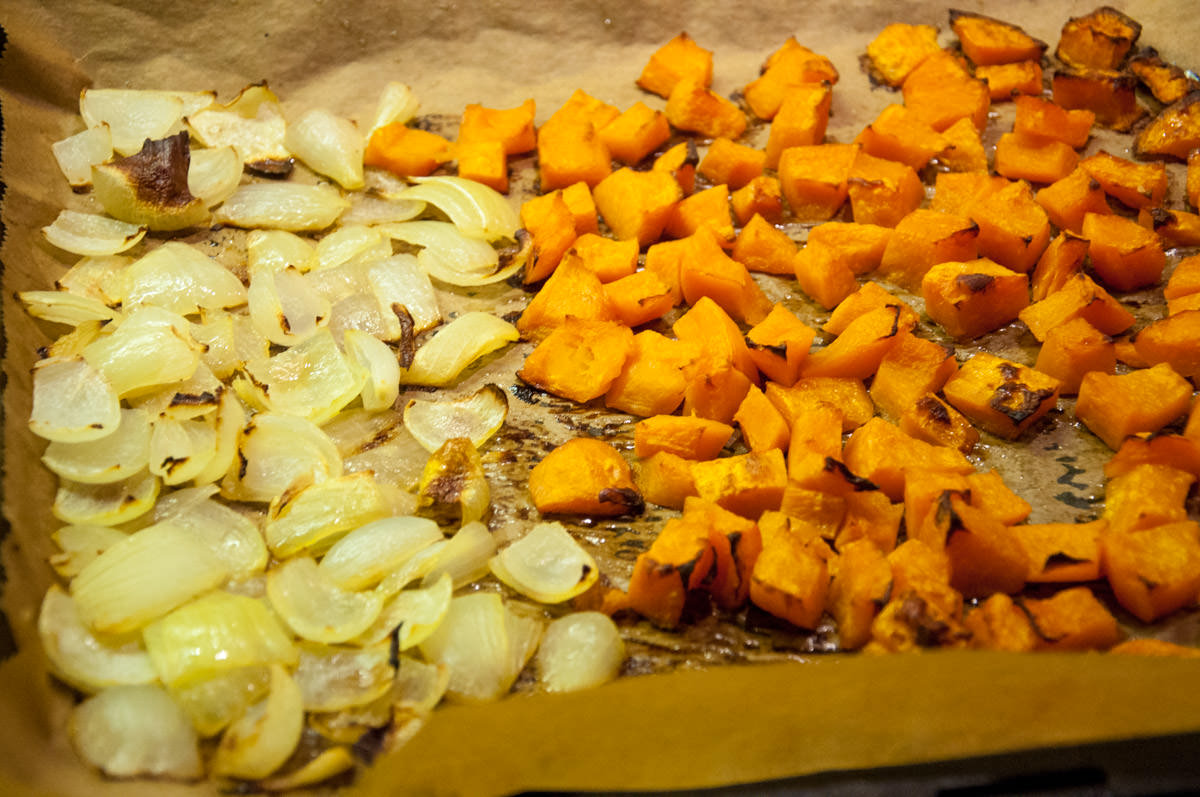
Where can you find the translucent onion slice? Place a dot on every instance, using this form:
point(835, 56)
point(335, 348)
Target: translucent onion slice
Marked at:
point(547, 565)
point(214, 634)
point(284, 307)
point(346, 243)
point(215, 702)
point(72, 344)
point(312, 379)
point(150, 187)
point(92, 234)
point(78, 153)
point(276, 249)
point(420, 687)
point(263, 738)
point(453, 482)
point(106, 504)
point(397, 103)
point(232, 536)
point(315, 608)
point(81, 658)
point(181, 449)
point(455, 346)
point(73, 402)
point(328, 763)
point(372, 210)
point(214, 332)
point(100, 278)
point(313, 517)
point(579, 651)
point(195, 397)
point(181, 279)
point(295, 207)
point(329, 145)
point(132, 115)
point(112, 458)
point(451, 256)
point(151, 346)
point(476, 417)
point(143, 577)
point(231, 419)
point(525, 629)
point(214, 174)
point(465, 556)
point(253, 125)
point(400, 282)
point(131, 731)
point(412, 569)
point(61, 307)
point(412, 614)
point(276, 451)
point(363, 557)
point(336, 678)
point(381, 387)
point(476, 209)
point(80, 544)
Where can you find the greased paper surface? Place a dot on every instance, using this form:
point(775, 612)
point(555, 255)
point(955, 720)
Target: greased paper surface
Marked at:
point(701, 725)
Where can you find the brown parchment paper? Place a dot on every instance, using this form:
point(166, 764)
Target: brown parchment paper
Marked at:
point(699, 725)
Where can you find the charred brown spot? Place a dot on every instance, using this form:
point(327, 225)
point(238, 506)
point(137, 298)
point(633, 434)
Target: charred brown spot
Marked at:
point(631, 500)
point(406, 349)
point(194, 399)
point(272, 167)
point(935, 410)
point(1018, 401)
point(447, 488)
point(975, 283)
point(857, 482)
point(158, 172)
point(929, 630)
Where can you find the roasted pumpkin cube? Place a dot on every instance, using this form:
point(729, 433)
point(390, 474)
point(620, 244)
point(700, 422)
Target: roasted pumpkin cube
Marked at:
point(684, 436)
point(762, 196)
point(729, 163)
point(678, 561)
point(1174, 340)
point(880, 452)
point(762, 426)
point(1137, 185)
point(1074, 349)
point(1176, 227)
point(1038, 117)
point(1009, 81)
point(998, 623)
point(1125, 255)
point(956, 192)
point(791, 65)
point(848, 396)
point(639, 298)
point(708, 208)
point(1013, 228)
point(572, 291)
point(717, 336)
point(652, 381)
point(1020, 156)
point(941, 91)
point(636, 204)
point(1001, 396)
point(964, 150)
point(679, 58)
point(513, 127)
point(1062, 259)
point(1112, 96)
point(1079, 296)
point(1147, 495)
point(984, 556)
point(1173, 133)
point(898, 49)
point(986, 40)
point(1068, 199)
point(761, 246)
point(857, 352)
point(973, 298)
point(859, 247)
point(580, 359)
point(1115, 406)
point(913, 367)
point(692, 106)
point(932, 420)
point(1156, 571)
point(1167, 82)
point(1101, 39)
point(746, 484)
point(924, 238)
point(815, 179)
point(1061, 552)
point(870, 515)
point(552, 228)
point(858, 591)
point(584, 476)
point(637, 132)
point(680, 162)
point(779, 344)
point(801, 121)
point(882, 191)
point(823, 274)
point(709, 272)
point(664, 479)
point(569, 145)
point(870, 296)
point(1072, 619)
point(897, 134)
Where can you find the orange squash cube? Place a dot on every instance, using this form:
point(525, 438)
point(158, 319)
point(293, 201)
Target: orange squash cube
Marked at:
point(692, 106)
point(637, 132)
point(898, 49)
point(762, 196)
point(584, 476)
point(924, 238)
point(881, 191)
point(973, 298)
point(941, 91)
point(580, 359)
point(635, 204)
point(1137, 185)
point(729, 163)
point(679, 58)
point(1115, 406)
point(897, 134)
point(1125, 255)
point(1001, 396)
point(1073, 349)
point(791, 65)
point(801, 120)
point(912, 368)
point(761, 246)
point(652, 381)
point(815, 179)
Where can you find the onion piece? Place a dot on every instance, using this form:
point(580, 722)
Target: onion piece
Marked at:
point(78, 153)
point(476, 417)
point(312, 379)
point(73, 402)
point(276, 451)
point(143, 577)
point(263, 738)
point(346, 243)
point(328, 763)
point(478, 210)
point(180, 449)
point(61, 307)
point(81, 658)
point(232, 536)
point(315, 608)
point(312, 517)
point(151, 346)
point(547, 565)
point(150, 187)
point(412, 614)
point(80, 544)
point(214, 332)
point(106, 504)
point(363, 557)
point(214, 174)
point(284, 308)
point(416, 567)
point(329, 145)
point(275, 250)
point(453, 482)
point(336, 678)
point(397, 104)
point(214, 702)
point(252, 124)
point(464, 556)
point(195, 397)
point(92, 233)
point(381, 387)
point(455, 346)
point(372, 210)
point(580, 651)
point(215, 634)
point(231, 419)
point(133, 115)
point(100, 278)
point(130, 731)
point(449, 255)
point(282, 206)
point(112, 458)
point(399, 282)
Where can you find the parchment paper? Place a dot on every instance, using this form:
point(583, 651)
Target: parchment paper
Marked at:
point(699, 726)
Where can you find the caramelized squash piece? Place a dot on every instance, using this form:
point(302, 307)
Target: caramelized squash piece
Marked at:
point(708, 208)
point(941, 91)
point(882, 191)
point(1174, 340)
point(762, 196)
point(572, 291)
point(552, 226)
point(1020, 156)
point(779, 344)
point(692, 106)
point(1072, 620)
point(924, 238)
point(823, 274)
point(858, 591)
point(973, 298)
point(815, 179)
point(790, 66)
point(736, 543)
point(763, 247)
point(639, 298)
point(1173, 133)
point(708, 272)
point(1039, 117)
point(934, 421)
point(1001, 396)
point(898, 134)
point(986, 40)
point(637, 132)
point(870, 296)
point(1061, 553)
point(684, 436)
point(1145, 496)
point(679, 58)
point(513, 127)
point(406, 151)
point(1013, 228)
point(1156, 571)
point(1125, 255)
point(1009, 81)
point(746, 484)
point(584, 476)
point(1112, 96)
point(913, 367)
point(652, 381)
point(984, 556)
point(762, 426)
point(859, 247)
point(1137, 185)
point(848, 396)
point(1176, 227)
point(678, 561)
point(790, 579)
point(1099, 40)
point(898, 49)
point(716, 335)
point(998, 623)
point(1078, 297)
point(608, 259)
point(569, 146)
point(1062, 259)
point(1167, 82)
point(729, 163)
point(880, 452)
point(665, 479)
point(857, 352)
point(580, 359)
point(1074, 349)
point(801, 120)
point(1115, 406)
point(1068, 199)
point(680, 162)
point(636, 205)
point(964, 150)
